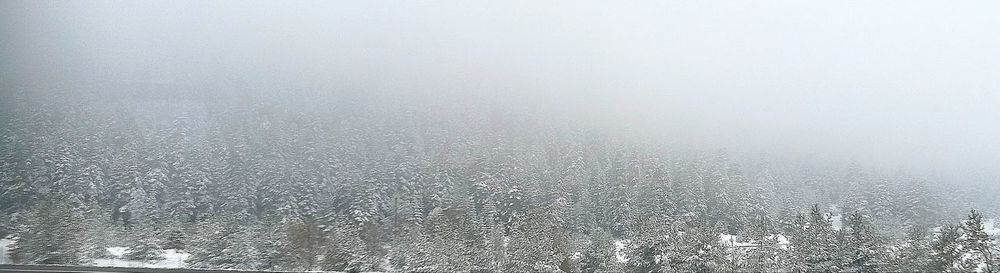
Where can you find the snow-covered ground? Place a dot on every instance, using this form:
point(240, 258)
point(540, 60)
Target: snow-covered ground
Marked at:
point(730, 240)
point(171, 259)
point(4, 257)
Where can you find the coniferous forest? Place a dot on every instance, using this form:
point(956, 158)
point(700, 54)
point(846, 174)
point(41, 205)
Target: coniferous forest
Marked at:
point(557, 136)
point(345, 184)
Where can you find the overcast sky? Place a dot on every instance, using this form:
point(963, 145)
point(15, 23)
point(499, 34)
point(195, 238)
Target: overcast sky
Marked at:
point(914, 84)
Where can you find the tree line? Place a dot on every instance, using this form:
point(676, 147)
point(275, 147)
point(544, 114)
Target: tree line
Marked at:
point(348, 185)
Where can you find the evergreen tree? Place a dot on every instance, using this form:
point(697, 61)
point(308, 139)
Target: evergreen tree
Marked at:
point(862, 247)
point(174, 234)
point(273, 245)
point(344, 251)
point(978, 243)
point(814, 245)
point(258, 184)
point(97, 235)
point(48, 234)
point(537, 243)
point(915, 254)
point(221, 244)
point(143, 246)
point(766, 254)
point(947, 250)
point(599, 253)
point(692, 247)
point(306, 242)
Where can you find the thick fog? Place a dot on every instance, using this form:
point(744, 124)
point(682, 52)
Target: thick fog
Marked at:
point(909, 85)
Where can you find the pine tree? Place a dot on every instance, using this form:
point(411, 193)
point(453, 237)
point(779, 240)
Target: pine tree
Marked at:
point(684, 245)
point(813, 243)
point(413, 252)
point(97, 235)
point(862, 248)
point(917, 205)
point(174, 234)
point(273, 245)
point(648, 244)
point(766, 255)
point(537, 243)
point(496, 247)
point(977, 242)
point(144, 248)
point(451, 241)
point(915, 255)
point(344, 251)
point(144, 244)
point(947, 250)
point(48, 235)
point(599, 253)
point(222, 244)
point(306, 242)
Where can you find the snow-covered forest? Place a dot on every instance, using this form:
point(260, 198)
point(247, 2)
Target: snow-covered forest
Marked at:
point(347, 185)
point(501, 136)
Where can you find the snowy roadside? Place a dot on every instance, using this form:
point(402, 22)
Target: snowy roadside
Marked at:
point(171, 258)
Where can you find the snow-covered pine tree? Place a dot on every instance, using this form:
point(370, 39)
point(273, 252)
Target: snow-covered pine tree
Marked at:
point(221, 244)
point(48, 234)
point(647, 250)
point(915, 253)
point(97, 234)
point(814, 246)
point(694, 248)
point(145, 242)
point(175, 234)
point(272, 244)
point(946, 250)
point(766, 255)
point(343, 250)
point(451, 239)
point(496, 249)
point(917, 205)
point(188, 187)
point(862, 248)
point(306, 241)
point(599, 253)
point(537, 243)
point(144, 245)
point(977, 243)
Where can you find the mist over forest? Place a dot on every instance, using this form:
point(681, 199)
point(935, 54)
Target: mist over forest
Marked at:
point(563, 136)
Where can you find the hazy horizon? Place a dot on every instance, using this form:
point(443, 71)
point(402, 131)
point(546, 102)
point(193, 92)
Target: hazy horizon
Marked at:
point(898, 85)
